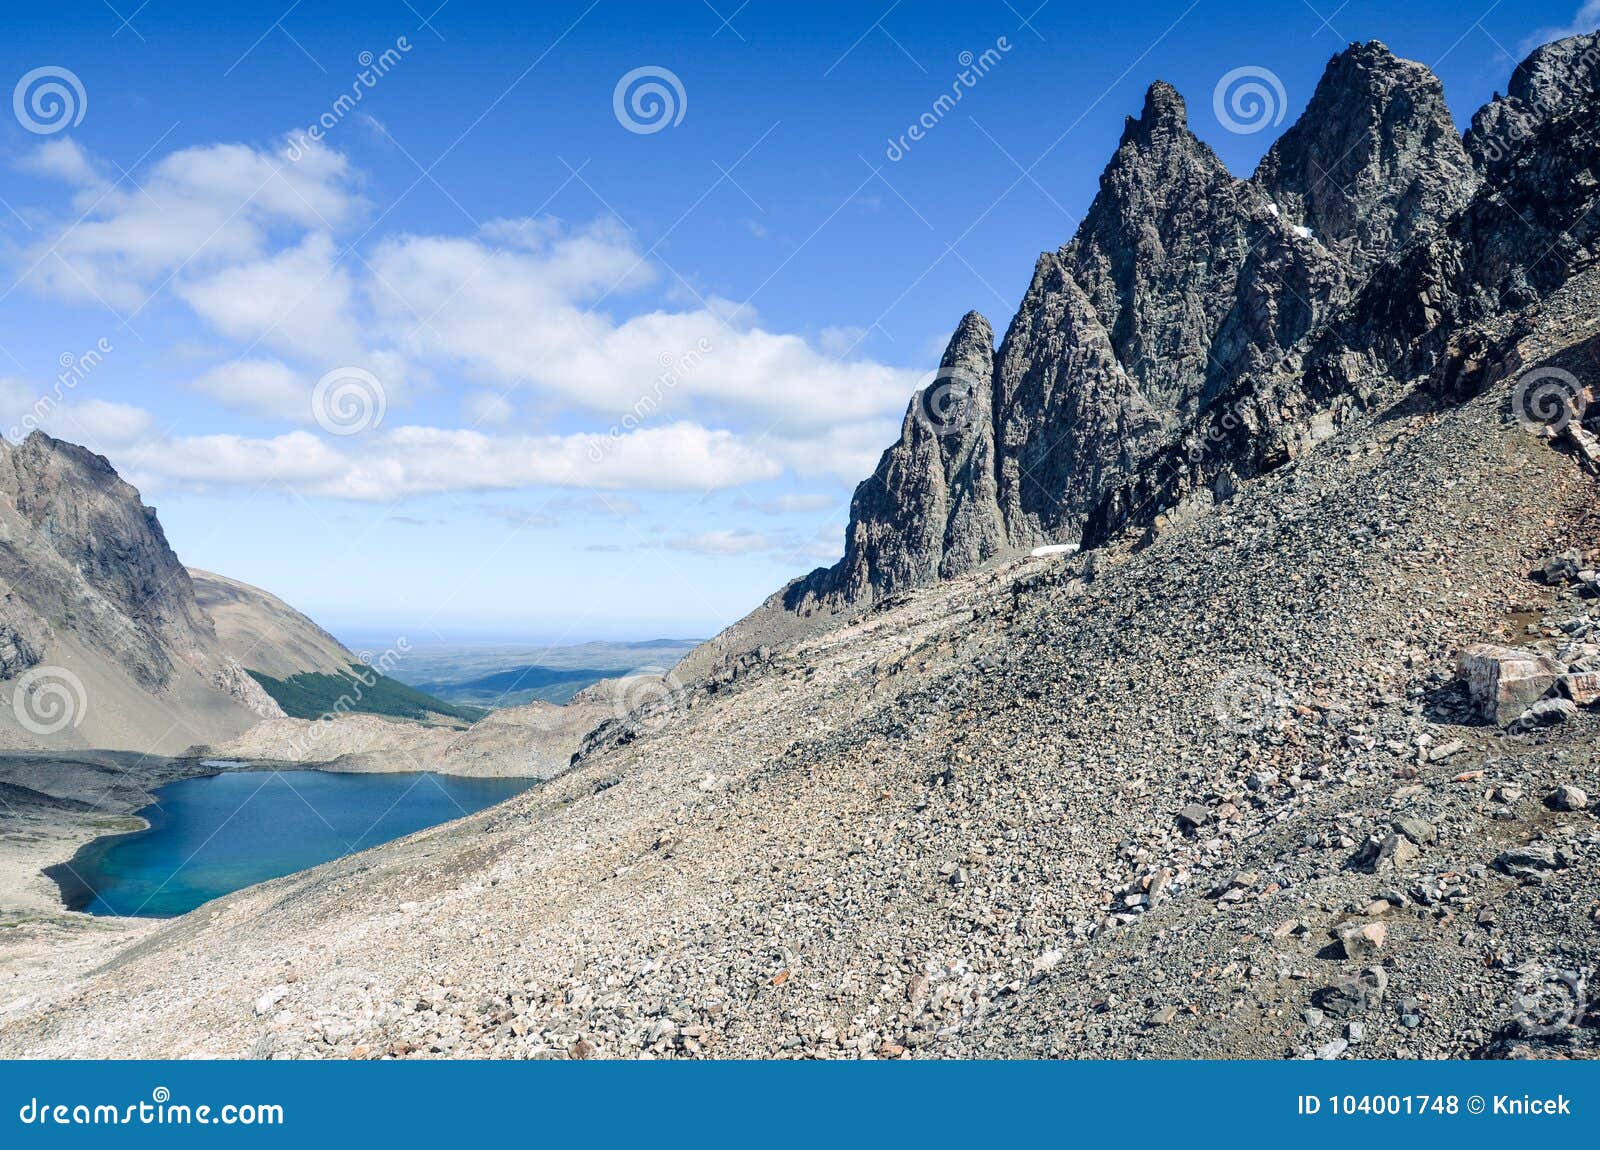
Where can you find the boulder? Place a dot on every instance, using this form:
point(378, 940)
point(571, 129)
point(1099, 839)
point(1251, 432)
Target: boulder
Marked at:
point(1582, 687)
point(1545, 713)
point(1530, 860)
point(1563, 569)
point(1353, 995)
point(1363, 939)
point(1504, 681)
point(1568, 797)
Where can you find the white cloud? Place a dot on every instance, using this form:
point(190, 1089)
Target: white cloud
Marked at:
point(528, 317)
point(412, 461)
point(297, 302)
point(266, 386)
point(98, 423)
point(734, 541)
point(530, 314)
point(194, 209)
point(62, 158)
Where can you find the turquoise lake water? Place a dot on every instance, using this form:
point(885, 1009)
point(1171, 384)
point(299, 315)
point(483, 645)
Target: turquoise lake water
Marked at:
point(211, 836)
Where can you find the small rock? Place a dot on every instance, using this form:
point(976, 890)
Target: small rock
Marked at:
point(1568, 797)
point(1161, 1017)
point(1193, 816)
point(1545, 713)
point(1582, 687)
point(1444, 751)
point(1530, 859)
point(1331, 1050)
point(1049, 960)
point(1419, 831)
point(1353, 995)
point(1363, 939)
point(270, 998)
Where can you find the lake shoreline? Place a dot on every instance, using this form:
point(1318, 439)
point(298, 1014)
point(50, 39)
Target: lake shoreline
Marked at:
point(171, 856)
point(57, 805)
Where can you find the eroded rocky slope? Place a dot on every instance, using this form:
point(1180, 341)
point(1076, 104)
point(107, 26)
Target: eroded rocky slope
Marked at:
point(102, 642)
point(1222, 794)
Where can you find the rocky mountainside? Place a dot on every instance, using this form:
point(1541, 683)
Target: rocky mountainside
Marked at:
point(1221, 795)
point(1299, 760)
point(1200, 329)
point(102, 641)
point(263, 632)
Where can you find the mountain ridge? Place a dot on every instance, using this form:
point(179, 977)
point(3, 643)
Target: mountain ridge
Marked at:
point(1201, 329)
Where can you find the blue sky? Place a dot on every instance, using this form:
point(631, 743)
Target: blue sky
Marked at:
point(629, 368)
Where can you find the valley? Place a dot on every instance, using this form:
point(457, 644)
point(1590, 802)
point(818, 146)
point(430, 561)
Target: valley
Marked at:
point(1212, 672)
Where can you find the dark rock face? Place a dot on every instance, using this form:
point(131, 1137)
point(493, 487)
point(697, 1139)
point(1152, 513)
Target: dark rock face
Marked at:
point(1166, 348)
point(1436, 311)
point(81, 554)
point(1374, 163)
point(1554, 81)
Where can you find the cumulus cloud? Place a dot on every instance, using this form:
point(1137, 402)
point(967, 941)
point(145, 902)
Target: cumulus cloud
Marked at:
point(414, 461)
point(61, 158)
point(266, 386)
point(194, 209)
point(536, 316)
point(297, 301)
point(532, 315)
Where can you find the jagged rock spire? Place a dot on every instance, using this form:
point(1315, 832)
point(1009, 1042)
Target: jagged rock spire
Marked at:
point(1374, 162)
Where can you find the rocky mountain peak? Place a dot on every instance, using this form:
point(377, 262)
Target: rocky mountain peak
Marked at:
point(1375, 160)
point(971, 345)
point(1200, 330)
point(1557, 79)
point(89, 579)
point(1164, 115)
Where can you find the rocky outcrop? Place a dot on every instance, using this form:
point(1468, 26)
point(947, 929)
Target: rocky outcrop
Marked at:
point(1444, 312)
point(1374, 163)
point(91, 584)
point(1555, 80)
point(1165, 350)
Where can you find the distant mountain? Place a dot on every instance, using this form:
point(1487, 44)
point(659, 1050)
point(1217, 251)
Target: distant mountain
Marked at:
point(102, 640)
point(306, 670)
point(499, 675)
point(108, 641)
point(263, 632)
